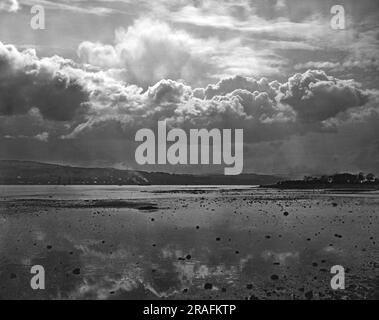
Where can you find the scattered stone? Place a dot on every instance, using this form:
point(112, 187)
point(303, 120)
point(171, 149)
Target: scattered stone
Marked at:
point(208, 286)
point(309, 295)
point(76, 271)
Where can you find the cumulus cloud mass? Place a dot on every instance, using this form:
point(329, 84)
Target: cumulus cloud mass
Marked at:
point(64, 91)
point(198, 68)
point(150, 51)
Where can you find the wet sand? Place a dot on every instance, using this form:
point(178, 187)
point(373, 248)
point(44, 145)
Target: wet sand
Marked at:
point(194, 243)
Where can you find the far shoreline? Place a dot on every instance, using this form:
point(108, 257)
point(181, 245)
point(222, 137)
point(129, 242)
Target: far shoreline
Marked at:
point(336, 187)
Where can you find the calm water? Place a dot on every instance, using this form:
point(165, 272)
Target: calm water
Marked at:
point(206, 242)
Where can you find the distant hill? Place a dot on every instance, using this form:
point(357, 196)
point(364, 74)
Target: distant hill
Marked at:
point(35, 173)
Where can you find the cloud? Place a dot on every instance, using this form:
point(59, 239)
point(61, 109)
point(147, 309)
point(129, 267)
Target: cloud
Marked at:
point(150, 50)
point(360, 48)
point(317, 65)
point(90, 99)
point(318, 97)
point(80, 7)
point(231, 84)
point(68, 106)
point(226, 64)
point(46, 84)
point(9, 5)
point(266, 110)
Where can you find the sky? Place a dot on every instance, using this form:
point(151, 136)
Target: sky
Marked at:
point(305, 93)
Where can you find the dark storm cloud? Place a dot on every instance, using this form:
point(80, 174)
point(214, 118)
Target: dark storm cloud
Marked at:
point(27, 82)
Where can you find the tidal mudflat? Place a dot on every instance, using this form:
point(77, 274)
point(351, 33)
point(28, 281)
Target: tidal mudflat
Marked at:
point(187, 242)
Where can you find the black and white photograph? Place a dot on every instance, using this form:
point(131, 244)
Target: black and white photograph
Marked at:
point(189, 150)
